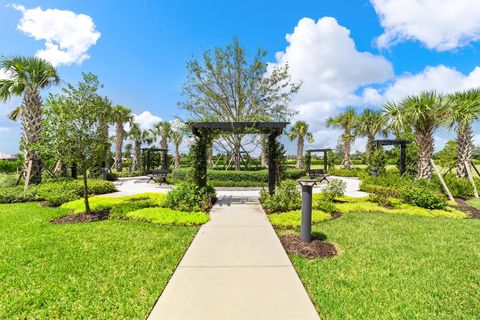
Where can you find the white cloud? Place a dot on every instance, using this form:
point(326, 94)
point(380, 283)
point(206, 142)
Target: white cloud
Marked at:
point(440, 78)
point(323, 56)
point(439, 24)
point(67, 35)
point(146, 120)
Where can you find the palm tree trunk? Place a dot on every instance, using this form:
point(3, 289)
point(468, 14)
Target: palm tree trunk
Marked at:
point(177, 156)
point(370, 147)
point(31, 123)
point(346, 155)
point(464, 149)
point(137, 153)
point(118, 147)
point(425, 152)
point(300, 153)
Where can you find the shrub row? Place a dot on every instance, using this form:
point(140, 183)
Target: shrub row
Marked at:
point(183, 174)
point(7, 166)
point(355, 172)
point(54, 193)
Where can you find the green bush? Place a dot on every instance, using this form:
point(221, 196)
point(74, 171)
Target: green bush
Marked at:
point(189, 197)
point(260, 176)
point(292, 219)
point(286, 197)
point(379, 198)
point(54, 192)
point(459, 187)
point(8, 166)
point(111, 176)
point(355, 172)
point(326, 206)
point(424, 198)
point(166, 216)
point(334, 189)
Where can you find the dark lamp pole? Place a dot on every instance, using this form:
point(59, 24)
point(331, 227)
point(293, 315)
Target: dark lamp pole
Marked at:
point(306, 224)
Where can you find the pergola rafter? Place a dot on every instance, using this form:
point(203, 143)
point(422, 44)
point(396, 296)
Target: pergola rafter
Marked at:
point(403, 149)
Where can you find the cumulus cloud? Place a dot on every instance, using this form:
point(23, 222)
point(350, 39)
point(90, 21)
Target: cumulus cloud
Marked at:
point(146, 119)
point(439, 24)
point(440, 78)
point(67, 35)
point(323, 56)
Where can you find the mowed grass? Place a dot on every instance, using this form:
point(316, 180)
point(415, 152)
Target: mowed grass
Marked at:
point(102, 270)
point(396, 267)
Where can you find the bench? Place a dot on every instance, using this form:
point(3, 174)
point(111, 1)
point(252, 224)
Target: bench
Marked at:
point(318, 174)
point(158, 174)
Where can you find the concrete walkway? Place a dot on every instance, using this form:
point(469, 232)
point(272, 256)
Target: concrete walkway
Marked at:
point(235, 268)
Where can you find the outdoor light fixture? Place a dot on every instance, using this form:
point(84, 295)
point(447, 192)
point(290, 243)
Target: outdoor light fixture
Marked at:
point(306, 224)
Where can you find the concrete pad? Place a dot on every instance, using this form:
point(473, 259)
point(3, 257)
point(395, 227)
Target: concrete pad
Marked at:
point(246, 216)
point(239, 293)
point(235, 246)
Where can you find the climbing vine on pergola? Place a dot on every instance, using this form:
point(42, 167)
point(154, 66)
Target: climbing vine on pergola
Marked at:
point(205, 132)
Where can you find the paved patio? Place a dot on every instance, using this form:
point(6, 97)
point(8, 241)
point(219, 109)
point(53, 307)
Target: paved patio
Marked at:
point(235, 268)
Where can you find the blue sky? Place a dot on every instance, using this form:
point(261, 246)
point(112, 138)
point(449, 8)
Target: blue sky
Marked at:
point(353, 52)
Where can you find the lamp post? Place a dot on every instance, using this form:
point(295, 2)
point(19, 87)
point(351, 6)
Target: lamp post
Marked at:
point(306, 224)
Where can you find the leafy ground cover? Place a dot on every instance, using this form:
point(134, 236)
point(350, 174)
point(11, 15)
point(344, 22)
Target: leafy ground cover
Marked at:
point(395, 267)
point(292, 219)
point(166, 216)
point(111, 269)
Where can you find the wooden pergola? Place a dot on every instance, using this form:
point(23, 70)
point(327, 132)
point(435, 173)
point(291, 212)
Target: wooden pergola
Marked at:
point(403, 149)
point(205, 130)
point(318, 173)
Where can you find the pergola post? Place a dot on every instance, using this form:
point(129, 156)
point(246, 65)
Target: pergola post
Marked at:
point(325, 161)
point(403, 159)
point(201, 157)
point(272, 162)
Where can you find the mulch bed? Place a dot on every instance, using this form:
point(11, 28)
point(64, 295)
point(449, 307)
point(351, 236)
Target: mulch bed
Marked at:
point(82, 218)
point(335, 215)
point(465, 207)
point(315, 249)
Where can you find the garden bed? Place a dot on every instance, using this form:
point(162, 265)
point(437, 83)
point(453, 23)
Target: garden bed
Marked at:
point(317, 248)
point(82, 218)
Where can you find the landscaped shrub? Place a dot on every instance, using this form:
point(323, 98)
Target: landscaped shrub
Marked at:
point(377, 162)
point(459, 187)
point(111, 176)
point(286, 197)
point(355, 172)
point(259, 177)
point(380, 198)
point(54, 192)
point(334, 189)
point(189, 197)
point(326, 206)
point(423, 197)
point(7, 166)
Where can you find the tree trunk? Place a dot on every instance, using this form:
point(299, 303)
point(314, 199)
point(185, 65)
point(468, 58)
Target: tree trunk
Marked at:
point(464, 149)
point(236, 157)
point(300, 153)
point(370, 148)
point(210, 155)
point(118, 147)
point(346, 155)
point(85, 191)
point(177, 156)
point(137, 154)
point(31, 123)
point(425, 151)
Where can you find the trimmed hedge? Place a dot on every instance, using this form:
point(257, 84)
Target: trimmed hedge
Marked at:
point(54, 193)
point(183, 174)
point(8, 166)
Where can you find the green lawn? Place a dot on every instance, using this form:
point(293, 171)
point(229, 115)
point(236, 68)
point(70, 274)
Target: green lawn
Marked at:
point(396, 267)
point(111, 269)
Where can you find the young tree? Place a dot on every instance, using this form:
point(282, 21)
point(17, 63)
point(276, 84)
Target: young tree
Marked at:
point(299, 131)
point(347, 121)
point(369, 124)
point(464, 110)
point(28, 75)
point(120, 116)
point(229, 86)
point(72, 127)
point(425, 113)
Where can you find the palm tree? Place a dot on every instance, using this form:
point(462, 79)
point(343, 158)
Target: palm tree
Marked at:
point(425, 112)
point(369, 124)
point(464, 110)
point(177, 137)
point(346, 121)
point(28, 75)
point(138, 136)
point(299, 131)
point(163, 129)
point(120, 116)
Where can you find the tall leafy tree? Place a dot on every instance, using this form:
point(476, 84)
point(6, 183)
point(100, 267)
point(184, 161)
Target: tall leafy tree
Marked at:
point(72, 127)
point(299, 131)
point(464, 110)
point(120, 116)
point(347, 122)
point(369, 124)
point(27, 77)
point(425, 112)
point(230, 86)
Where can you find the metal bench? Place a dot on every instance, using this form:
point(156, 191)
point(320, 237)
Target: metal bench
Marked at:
point(158, 174)
point(318, 174)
